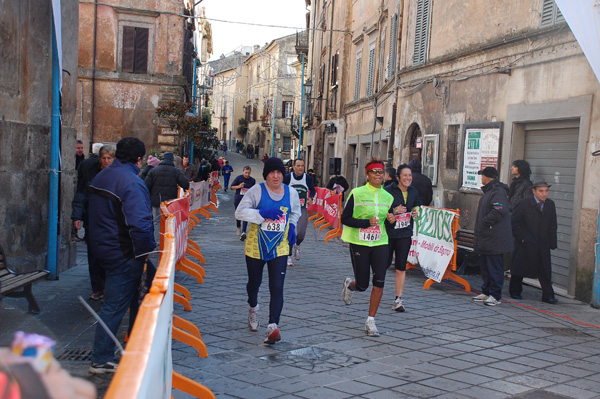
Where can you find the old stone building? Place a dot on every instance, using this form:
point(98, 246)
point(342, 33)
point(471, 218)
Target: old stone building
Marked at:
point(461, 85)
point(133, 57)
point(25, 131)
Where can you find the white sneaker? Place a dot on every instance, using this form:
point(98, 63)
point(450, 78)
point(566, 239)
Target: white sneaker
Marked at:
point(491, 301)
point(290, 262)
point(479, 298)
point(272, 334)
point(296, 252)
point(371, 328)
point(398, 306)
point(347, 292)
point(243, 237)
point(253, 319)
point(239, 231)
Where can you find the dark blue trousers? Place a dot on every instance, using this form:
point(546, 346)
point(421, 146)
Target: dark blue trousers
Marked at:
point(276, 268)
point(492, 274)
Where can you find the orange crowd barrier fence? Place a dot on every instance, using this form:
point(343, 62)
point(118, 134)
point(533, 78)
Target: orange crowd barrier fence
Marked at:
point(326, 211)
point(147, 357)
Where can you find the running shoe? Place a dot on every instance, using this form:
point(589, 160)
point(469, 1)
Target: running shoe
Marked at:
point(491, 301)
point(253, 319)
point(239, 231)
point(347, 292)
point(103, 368)
point(371, 328)
point(96, 295)
point(296, 252)
point(398, 306)
point(272, 334)
point(479, 298)
point(290, 262)
point(243, 237)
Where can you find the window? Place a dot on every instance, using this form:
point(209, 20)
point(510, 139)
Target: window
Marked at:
point(287, 109)
point(135, 49)
point(452, 147)
point(551, 15)
point(357, 75)
point(381, 56)
point(371, 70)
point(422, 32)
point(290, 65)
point(321, 80)
point(287, 143)
point(255, 110)
point(334, 82)
point(392, 54)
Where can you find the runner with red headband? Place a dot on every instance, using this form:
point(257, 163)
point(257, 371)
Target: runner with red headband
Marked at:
point(363, 218)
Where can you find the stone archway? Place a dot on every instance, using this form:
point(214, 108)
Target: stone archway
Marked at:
point(414, 141)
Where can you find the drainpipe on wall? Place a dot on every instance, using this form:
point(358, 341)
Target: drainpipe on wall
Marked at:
point(52, 257)
point(596, 286)
point(93, 102)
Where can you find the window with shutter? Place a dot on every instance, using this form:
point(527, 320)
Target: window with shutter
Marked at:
point(381, 56)
point(371, 71)
point(334, 68)
point(392, 54)
point(551, 14)
point(357, 76)
point(421, 32)
point(134, 58)
point(287, 110)
point(321, 80)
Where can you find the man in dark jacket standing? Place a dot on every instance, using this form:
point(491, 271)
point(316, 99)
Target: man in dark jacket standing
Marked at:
point(493, 236)
point(421, 182)
point(162, 182)
point(121, 236)
point(534, 227)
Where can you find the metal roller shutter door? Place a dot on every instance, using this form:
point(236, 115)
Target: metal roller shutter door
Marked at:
point(551, 150)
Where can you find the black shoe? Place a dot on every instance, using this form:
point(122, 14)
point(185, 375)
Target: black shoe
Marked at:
point(552, 301)
point(516, 296)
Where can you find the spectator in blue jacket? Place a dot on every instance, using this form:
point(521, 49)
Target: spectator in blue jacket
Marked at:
point(121, 237)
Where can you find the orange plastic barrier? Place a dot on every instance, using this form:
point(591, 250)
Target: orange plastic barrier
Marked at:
point(449, 273)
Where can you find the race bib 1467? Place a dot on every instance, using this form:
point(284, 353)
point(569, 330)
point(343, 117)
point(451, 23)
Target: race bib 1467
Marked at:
point(372, 233)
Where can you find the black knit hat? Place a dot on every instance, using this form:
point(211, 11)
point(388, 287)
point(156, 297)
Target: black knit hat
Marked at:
point(272, 164)
point(489, 172)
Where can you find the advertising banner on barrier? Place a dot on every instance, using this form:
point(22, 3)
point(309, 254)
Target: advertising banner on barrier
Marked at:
point(318, 204)
point(180, 208)
point(199, 195)
point(432, 243)
point(332, 210)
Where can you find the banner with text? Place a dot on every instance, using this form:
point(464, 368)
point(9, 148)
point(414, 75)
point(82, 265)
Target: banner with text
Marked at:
point(318, 204)
point(332, 210)
point(199, 195)
point(432, 243)
point(180, 208)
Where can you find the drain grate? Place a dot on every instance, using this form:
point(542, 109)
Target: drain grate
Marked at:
point(75, 355)
point(564, 331)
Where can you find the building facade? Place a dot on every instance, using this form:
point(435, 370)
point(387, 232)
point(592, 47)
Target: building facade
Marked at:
point(464, 85)
point(25, 131)
point(133, 57)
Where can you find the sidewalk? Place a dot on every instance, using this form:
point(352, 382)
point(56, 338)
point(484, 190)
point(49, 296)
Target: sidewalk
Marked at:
point(443, 346)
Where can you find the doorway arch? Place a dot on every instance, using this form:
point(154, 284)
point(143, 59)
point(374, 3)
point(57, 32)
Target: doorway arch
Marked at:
point(414, 141)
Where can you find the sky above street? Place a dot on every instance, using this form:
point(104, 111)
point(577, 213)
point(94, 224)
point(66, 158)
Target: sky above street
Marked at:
point(228, 37)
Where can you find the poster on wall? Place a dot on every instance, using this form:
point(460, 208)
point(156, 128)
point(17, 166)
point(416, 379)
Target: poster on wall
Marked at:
point(430, 157)
point(481, 149)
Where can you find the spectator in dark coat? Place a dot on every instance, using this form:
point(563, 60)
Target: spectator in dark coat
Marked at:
point(80, 212)
point(521, 184)
point(390, 176)
point(79, 157)
point(188, 169)
point(121, 233)
point(421, 182)
point(534, 227)
point(204, 171)
point(339, 184)
point(162, 182)
point(151, 163)
point(493, 236)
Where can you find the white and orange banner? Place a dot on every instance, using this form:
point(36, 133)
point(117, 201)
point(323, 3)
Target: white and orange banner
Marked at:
point(432, 243)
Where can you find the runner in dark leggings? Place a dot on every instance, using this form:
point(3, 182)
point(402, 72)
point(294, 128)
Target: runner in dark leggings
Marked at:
point(366, 210)
point(406, 207)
